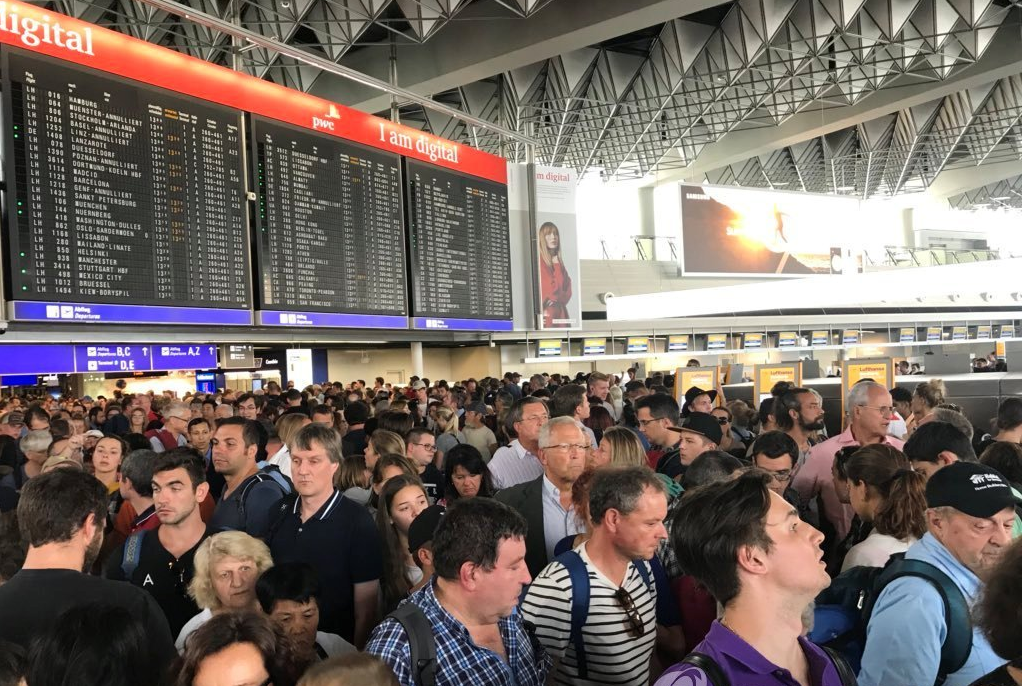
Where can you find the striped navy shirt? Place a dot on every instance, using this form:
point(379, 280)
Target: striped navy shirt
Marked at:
point(613, 654)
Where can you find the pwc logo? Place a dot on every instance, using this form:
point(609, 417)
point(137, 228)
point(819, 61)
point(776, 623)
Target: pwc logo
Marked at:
point(327, 121)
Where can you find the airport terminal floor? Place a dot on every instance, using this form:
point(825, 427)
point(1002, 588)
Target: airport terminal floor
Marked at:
point(510, 343)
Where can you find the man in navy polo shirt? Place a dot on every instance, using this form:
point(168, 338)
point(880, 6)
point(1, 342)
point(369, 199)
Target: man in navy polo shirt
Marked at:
point(747, 545)
point(335, 535)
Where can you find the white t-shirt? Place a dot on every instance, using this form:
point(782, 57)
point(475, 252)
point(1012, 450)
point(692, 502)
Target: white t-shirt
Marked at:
point(874, 551)
point(190, 626)
point(282, 458)
point(613, 654)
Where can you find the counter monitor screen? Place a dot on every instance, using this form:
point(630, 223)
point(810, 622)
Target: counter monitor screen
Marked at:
point(119, 192)
point(459, 245)
point(330, 234)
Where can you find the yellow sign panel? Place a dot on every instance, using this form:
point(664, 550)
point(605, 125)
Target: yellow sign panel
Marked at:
point(753, 340)
point(677, 343)
point(821, 338)
point(787, 339)
point(638, 344)
point(769, 374)
point(716, 341)
point(687, 377)
point(999, 349)
point(984, 331)
point(549, 348)
point(594, 346)
point(878, 369)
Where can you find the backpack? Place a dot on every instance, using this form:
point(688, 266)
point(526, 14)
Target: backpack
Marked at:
point(267, 472)
point(578, 576)
point(132, 553)
point(717, 677)
point(164, 436)
point(422, 645)
point(844, 609)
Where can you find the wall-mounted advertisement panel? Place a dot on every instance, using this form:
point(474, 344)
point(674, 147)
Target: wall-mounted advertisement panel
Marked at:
point(558, 275)
point(728, 231)
point(594, 346)
point(677, 344)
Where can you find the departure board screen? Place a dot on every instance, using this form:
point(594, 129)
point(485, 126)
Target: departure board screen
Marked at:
point(330, 228)
point(458, 241)
point(122, 194)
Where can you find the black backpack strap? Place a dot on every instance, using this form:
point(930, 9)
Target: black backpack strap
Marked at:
point(957, 646)
point(420, 642)
point(710, 668)
point(844, 670)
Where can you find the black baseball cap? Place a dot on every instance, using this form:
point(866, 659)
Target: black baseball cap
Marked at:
point(424, 526)
point(971, 488)
point(691, 394)
point(705, 425)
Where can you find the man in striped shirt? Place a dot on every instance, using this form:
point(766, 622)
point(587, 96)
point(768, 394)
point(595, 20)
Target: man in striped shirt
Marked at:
point(627, 506)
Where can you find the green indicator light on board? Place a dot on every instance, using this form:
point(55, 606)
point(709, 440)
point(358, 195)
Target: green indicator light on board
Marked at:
point(22, 254)
point(24, 288)
point(24, 271)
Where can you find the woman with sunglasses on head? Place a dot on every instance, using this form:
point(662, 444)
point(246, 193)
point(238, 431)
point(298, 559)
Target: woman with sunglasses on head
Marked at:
point(729, 442)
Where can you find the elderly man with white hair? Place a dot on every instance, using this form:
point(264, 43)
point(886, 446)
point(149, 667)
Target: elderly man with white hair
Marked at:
point(869, 409)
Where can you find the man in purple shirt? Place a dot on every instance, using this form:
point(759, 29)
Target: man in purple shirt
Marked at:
point(764, 565)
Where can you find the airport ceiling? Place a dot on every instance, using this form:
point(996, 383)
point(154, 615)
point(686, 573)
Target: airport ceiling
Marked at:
point(869, 98)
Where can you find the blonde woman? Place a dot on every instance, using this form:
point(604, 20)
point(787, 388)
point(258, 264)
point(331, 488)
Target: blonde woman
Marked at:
point(447, 434)
point(383, 442)
point(288, 427)
point(619, 446)
point(227, 566)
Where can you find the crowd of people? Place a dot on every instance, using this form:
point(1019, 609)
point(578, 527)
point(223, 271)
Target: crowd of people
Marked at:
point(568, 530)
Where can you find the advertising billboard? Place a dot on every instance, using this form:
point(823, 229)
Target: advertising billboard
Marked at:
point(728, 231)
point(558, 276)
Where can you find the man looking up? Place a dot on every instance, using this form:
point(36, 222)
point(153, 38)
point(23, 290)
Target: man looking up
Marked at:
point(546, 502)
point(162, 562)
point(764, 566)
point(869, 410)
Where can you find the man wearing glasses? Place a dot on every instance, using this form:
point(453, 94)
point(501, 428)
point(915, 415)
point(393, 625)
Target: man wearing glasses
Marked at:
point(774, 452)
point(870, 410)
point(545, 502)
point(627, 506)
point(420, 447)
point(518, 462)
point(656, 415)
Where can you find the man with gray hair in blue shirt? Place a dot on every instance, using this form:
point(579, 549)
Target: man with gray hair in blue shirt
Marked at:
point(969, 516)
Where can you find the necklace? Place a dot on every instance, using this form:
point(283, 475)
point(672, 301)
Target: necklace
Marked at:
point(727, 626)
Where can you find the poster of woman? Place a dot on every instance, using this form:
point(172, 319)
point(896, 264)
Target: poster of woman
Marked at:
point(554, 280)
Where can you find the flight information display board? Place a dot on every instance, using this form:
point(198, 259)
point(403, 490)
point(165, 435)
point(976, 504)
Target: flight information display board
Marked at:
point(128, 200)
point(330, 235)
point(459, 247)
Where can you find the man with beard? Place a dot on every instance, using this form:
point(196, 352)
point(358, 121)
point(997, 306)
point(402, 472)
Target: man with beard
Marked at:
point(60, 516)
point(162, 562)
point(799, 413)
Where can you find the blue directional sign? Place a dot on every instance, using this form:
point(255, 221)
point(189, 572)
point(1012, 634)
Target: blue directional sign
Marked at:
point(170, 357)
point(112, 358)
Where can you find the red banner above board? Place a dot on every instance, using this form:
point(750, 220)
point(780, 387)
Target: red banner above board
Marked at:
point(65, 38)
